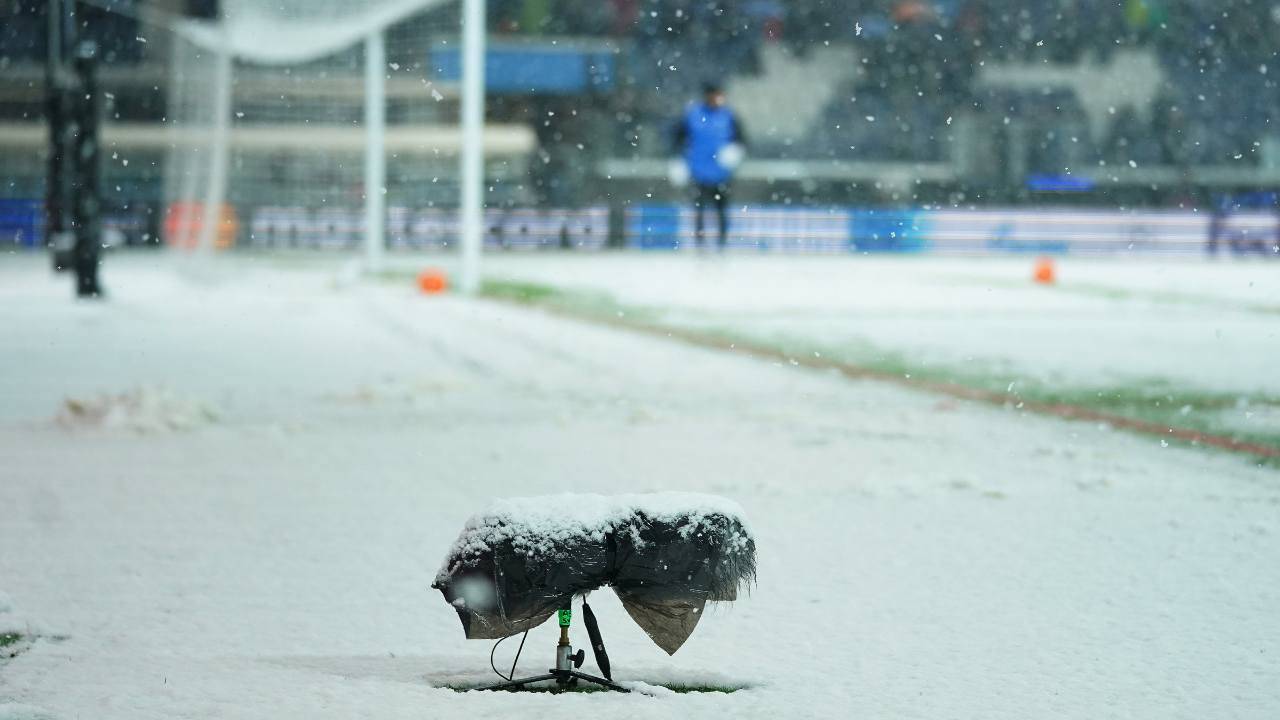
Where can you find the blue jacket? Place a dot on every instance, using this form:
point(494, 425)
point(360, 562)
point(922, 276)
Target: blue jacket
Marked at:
point(701, 133)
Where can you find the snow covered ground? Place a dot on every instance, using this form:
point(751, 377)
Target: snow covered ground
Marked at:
point(241, 509)
point(1210, 325)
point(1184, 343)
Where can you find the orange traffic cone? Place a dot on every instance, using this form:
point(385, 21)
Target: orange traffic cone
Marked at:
point(1045, 272)
point(432, 281)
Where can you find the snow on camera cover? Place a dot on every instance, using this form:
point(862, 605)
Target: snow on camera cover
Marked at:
point(664, 554)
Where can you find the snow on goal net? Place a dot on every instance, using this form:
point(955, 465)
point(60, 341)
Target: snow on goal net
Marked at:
point(275, 125)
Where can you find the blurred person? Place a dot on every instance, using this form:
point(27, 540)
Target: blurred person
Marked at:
point(711, 145)
point(1170, 126)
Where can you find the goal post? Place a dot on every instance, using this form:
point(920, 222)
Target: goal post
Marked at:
point(219, 147)
point(375, 151)
point(472, 170)
point(290, 119)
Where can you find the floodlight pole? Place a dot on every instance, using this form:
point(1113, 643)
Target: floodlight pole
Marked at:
point(472, 155)
point(375, 152)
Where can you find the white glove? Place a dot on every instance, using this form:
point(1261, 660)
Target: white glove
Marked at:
point(731, 156)
point(678, 172)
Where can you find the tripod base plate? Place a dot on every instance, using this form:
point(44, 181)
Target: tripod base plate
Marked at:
point(564, 679)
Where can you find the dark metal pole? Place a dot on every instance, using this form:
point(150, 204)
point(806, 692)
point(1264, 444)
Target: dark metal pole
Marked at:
point(73, 202)
point(87, 208)
point(56, 221)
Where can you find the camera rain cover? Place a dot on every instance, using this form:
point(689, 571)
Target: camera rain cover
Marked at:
point(665, 555)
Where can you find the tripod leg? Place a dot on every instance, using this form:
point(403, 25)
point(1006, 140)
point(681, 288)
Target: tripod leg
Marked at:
point(598, 681)
point(519, 683)
point(597, 642)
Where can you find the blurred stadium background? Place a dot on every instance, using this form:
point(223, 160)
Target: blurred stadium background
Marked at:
point(876, 125)
point(1046, 481)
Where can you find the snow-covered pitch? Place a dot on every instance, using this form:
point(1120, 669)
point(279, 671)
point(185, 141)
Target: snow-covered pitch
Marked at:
point(225, 493)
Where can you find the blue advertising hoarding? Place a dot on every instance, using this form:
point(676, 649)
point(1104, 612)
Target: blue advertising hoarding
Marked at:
point(531, 68)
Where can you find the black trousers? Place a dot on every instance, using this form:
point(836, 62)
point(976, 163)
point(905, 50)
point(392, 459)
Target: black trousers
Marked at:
point(716, 196)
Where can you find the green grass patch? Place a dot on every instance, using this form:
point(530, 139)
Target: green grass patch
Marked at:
point(1152, 400)
point(12, 645)
point(1147, 399)
point(523, 292)
point(682, 689)
point(1108, 292)
point(591, 305)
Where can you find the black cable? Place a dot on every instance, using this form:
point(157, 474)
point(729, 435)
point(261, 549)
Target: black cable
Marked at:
point(494, 649)
point(495, 667)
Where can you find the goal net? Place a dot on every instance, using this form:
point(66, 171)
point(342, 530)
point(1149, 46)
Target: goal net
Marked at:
point(324, 124)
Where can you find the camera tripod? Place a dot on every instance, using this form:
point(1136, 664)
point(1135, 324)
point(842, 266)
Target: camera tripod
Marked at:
point(566, 673)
